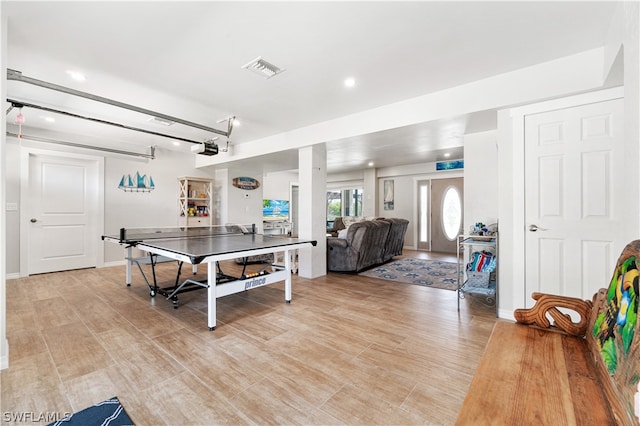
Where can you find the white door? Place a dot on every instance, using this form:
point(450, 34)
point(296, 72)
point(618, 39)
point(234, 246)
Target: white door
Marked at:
point(574, 193)
point(61, 207)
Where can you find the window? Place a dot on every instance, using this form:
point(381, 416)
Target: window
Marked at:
point(345, 202)
point(451, 213)
point(352, 202)
point(334, 205)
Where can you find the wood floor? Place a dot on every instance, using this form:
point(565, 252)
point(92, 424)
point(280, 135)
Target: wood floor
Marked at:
point(347, 350)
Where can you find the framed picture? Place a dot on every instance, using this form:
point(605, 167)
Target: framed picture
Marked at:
point(388, 194)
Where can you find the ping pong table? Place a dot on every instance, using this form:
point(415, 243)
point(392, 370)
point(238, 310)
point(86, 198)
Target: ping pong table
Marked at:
point(208, 245)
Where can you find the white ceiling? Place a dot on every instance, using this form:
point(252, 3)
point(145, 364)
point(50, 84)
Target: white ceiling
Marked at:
point(184, 59)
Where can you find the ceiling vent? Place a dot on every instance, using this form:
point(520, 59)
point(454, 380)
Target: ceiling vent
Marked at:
point(262, 68)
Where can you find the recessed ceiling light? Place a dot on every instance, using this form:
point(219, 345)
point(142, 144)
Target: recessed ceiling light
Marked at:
point(350, 82)
point(447, 154)
point(262, 68)
point(78, 76)
point(49, 119)
point(370, 164)
point(176, 143)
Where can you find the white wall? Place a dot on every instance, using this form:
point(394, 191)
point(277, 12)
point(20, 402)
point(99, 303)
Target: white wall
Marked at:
point(276, 185)
point(244, 206)
point(480, 178)
point(158, 208)
point(12, 195)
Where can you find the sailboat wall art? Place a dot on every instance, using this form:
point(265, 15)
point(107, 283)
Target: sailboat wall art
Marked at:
point(137, 183)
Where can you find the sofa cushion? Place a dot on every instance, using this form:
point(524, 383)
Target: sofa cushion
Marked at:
point(395, 240)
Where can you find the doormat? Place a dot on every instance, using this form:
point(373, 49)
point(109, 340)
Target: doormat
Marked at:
point(428, 273)
point(109, 412)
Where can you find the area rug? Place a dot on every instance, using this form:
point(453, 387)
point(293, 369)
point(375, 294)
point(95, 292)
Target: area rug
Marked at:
point(428, 273)
point(106, 413)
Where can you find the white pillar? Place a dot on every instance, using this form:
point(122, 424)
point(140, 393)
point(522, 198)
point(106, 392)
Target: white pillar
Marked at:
point(370, 192)
point(312, 166)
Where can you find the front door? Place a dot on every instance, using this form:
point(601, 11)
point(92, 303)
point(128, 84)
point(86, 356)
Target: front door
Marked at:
point(61, 206)
point(574, 191)
point(446, 213)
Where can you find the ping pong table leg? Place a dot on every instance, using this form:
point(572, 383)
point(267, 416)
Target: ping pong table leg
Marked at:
point(129, 263)
point(287, 281)
point(211, 295)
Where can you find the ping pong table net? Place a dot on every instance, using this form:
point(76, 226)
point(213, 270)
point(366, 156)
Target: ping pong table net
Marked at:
point(143, 234)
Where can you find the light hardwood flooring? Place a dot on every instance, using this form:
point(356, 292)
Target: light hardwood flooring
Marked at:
point(347, 350)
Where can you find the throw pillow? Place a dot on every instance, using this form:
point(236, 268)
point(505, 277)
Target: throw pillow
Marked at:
point(350, 220)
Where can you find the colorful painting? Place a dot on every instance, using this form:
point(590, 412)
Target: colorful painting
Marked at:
point(275, 209)
point(614, 327)
point(450, 165)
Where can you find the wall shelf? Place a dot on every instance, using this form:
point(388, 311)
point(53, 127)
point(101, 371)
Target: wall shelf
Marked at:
point(194, 201)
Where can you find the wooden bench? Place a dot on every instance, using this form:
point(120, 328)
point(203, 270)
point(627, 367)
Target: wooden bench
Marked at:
point(550, 369)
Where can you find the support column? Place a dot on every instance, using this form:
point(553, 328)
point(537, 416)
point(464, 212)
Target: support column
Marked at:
point(370, 192)
point(312, 169)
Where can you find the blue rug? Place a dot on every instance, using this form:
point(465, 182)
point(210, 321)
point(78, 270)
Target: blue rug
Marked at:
point(105, 413)
point(428, 273)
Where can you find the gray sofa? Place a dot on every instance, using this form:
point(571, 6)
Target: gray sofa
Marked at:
point(367, 243)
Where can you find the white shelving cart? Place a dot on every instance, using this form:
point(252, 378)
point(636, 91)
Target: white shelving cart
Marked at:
point(483, 284)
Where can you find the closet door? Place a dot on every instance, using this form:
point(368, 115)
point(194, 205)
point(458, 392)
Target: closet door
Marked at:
point(574, 198)
point(61, 208)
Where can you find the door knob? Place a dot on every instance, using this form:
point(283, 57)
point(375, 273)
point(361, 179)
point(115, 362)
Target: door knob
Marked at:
point(34, 220)
point(534, 228)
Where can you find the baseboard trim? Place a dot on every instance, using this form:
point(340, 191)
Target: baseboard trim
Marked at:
point(12, 276)
point(506, 314)
point(114, 263)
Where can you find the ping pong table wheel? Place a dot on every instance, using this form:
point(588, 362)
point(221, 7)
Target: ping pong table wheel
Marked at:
point(152, 293)
point(211, 328)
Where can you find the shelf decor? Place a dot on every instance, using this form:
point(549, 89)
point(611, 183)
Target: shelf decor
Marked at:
point(139, 183)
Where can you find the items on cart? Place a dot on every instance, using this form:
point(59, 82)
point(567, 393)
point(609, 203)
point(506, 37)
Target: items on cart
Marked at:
point(480, 267)
point(483, 261)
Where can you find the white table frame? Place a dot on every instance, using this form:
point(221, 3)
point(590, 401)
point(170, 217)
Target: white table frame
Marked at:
point(215, 291)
